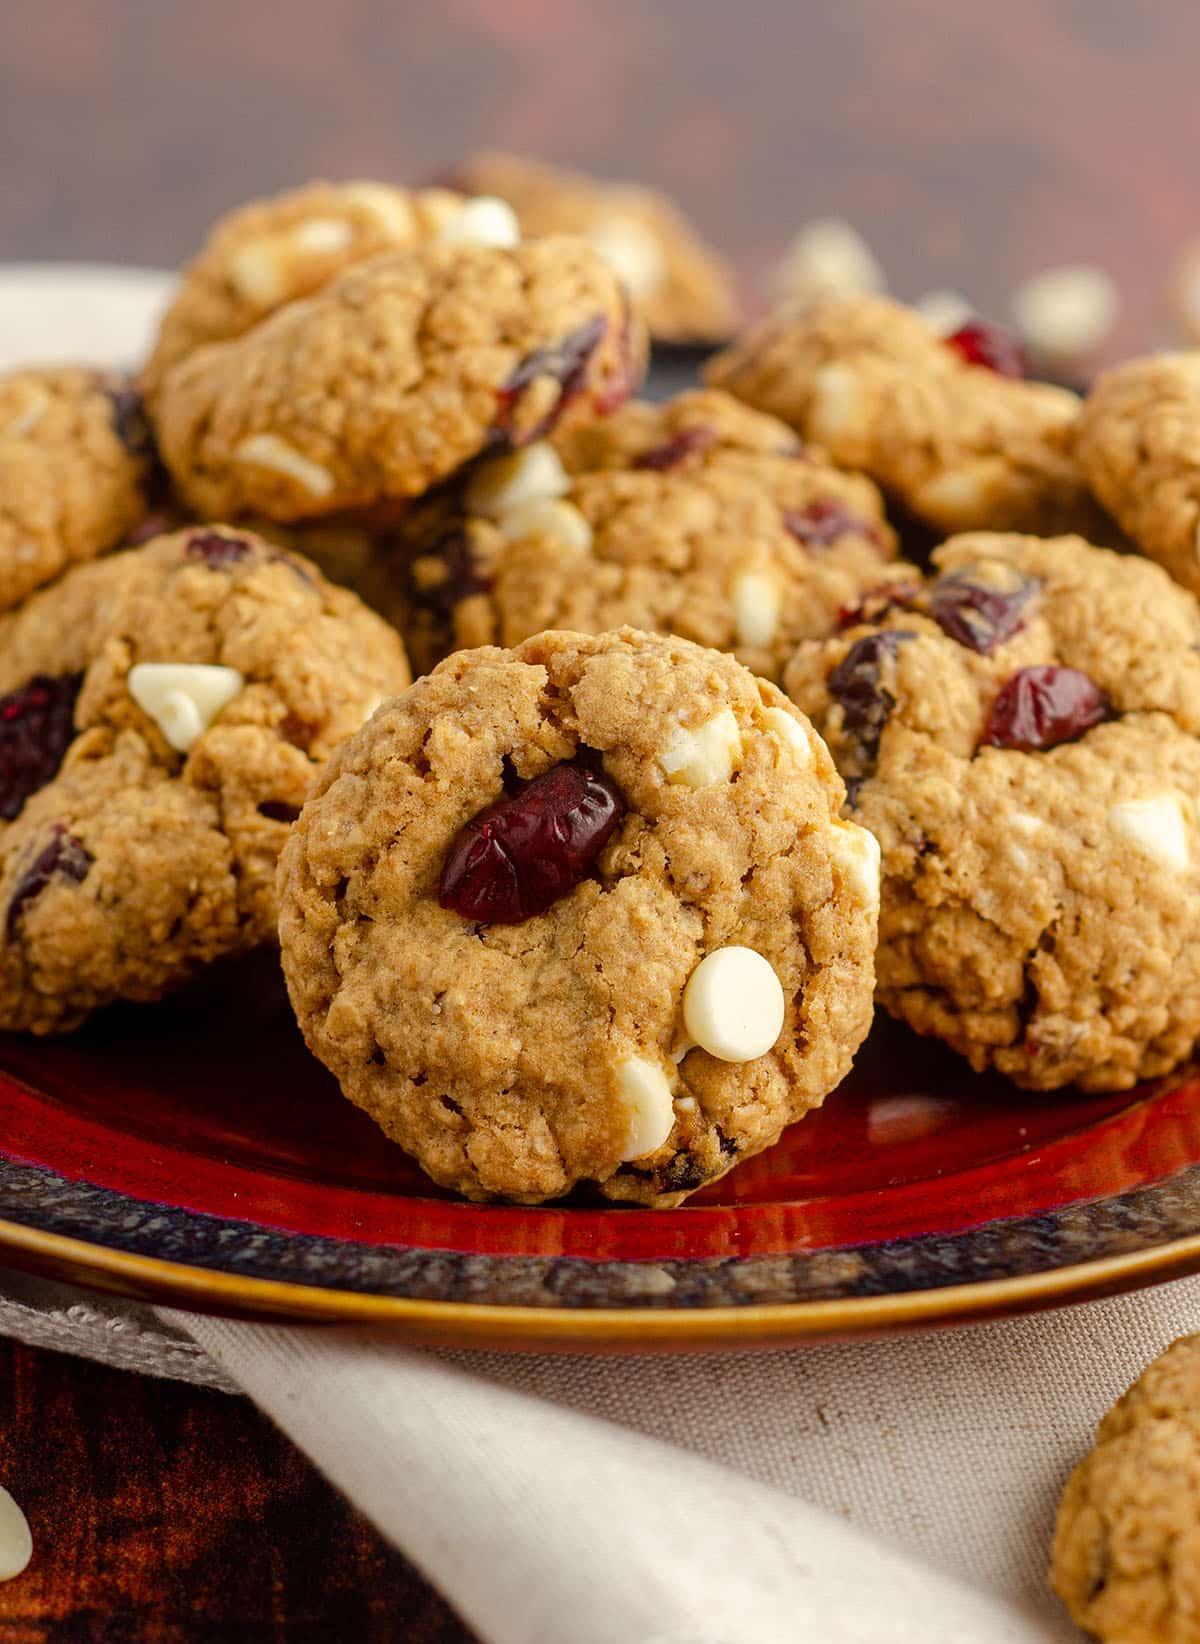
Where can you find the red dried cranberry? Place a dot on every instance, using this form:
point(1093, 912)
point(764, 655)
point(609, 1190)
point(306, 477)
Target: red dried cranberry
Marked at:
point(517, 858)
point(855, 683)
point(63, 857)
point(567, 363)
point(977, 615)
point(991, 345)
point(1041, 707)
point(37, 726)
point(129, 418)
point(673, 453)
point(460, 577)
point(822, 523)
point(215, 550)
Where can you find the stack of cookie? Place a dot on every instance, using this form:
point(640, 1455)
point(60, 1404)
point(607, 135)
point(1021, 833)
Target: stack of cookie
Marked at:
point(594, 902)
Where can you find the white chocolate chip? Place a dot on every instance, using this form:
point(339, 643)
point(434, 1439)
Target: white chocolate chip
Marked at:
point(789, 730)
point(485, 220)
point(944, 312)
point(856, 850)
point(1155, 826)
point(1024, 823)
point(183, 698)
point(836, 407)
point(27, 419)
point(955, 495)
point(269, 451)
point(733, 1005)
point(506, 483)
point(550, 517)
point(322, 235)
point(827, 258)
point(756, 605)
point(255, 273)
point(645, 1095)
point(1065, 314)
point(632, 251)
point(16, 1542)
point(703, 754)
point(391, 210)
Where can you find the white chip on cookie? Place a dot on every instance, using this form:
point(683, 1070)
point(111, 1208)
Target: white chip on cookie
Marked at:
point(827, 258)
point(789, 730)
point(183, 698)
point(837, 403)
point(254, 272)
point(269, 451)
point(1065, 314)
point(533, 474)
point(550, 517)
point(484, 220)
point(756, 607)
point(856, 850)
point(16, 1542)
point(645, 1095)
point(733, 1005)
point(944, 311)
point(1156, 827)
point(702, 754)
point(322, 236)
point(632, 251)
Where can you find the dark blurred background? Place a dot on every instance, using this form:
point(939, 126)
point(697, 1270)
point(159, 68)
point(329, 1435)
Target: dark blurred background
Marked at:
point(971, 142)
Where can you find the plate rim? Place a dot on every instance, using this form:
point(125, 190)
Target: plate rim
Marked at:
point(479, 1325)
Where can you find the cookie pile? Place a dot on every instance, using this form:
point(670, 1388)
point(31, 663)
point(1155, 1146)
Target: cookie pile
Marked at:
point(702, 736)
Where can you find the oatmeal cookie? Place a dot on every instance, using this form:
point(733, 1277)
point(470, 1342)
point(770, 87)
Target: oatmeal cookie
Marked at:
point(683, 287)
point(76, 460)
point(163, 713)
point(394, 376)
point(1139, 445)
point(1030, 766)
point(1126, 1556)
point(272, 251)
point(582, 911)
point(698, 517)
point(960, 443)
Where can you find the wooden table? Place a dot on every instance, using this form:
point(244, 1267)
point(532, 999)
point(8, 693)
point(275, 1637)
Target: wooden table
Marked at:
point(971, 142)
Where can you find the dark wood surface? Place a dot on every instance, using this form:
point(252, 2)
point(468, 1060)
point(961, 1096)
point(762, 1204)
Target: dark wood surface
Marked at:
point(971, 142)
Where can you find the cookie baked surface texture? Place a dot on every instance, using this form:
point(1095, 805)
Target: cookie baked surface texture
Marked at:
point(394, 376)
point(1139, 445)
point(75, 459)
point(1126, 1556)
point(272, 251)
point(962, 446)
point(1030, 766)
point(682, 286)
point(698, 517)
point(511, 993)
point(163, 714)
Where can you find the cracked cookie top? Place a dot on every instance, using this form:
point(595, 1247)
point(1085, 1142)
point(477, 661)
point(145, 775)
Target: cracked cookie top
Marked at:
point(582, 911)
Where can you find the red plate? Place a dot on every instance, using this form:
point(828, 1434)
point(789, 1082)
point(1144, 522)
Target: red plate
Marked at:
point(194, 1148)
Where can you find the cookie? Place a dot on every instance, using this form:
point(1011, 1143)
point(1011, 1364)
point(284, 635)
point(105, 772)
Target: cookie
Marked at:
point(393, 377)
point(1139, 445)
point(682, 287)
point(960, 443)
point(76, 462)
point(698, 517)
point(1126, 1555)
point(582, 911)
point(1029, 765)
point(163, 713)
point(272, 251)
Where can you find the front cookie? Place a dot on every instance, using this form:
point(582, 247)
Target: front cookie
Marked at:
point(581, 912)
point(1029, 765)
point(162, 715)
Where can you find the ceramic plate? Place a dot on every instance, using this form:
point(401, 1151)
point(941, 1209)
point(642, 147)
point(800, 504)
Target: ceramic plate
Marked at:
point(194, 1151)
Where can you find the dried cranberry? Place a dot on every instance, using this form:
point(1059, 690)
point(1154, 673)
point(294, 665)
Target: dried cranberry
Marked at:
point(877, 602)
point(517, 858)
point(1041, 707)
point(673, 453)
point(216, 550)
point(37, 725)
point(129, 419)
point(992, 346)
point(977, 615)
point(822, 523)
point(440, 578)
point(855, 683)
point(63, 857)
point(567, 363)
